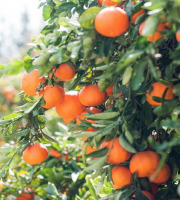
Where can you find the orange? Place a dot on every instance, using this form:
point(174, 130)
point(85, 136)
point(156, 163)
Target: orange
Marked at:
point(30, 82)
point(89, 148)
point(35, 154)
point(154, 188)
point(136, 15)
point(156, 36)
point(82, 116)
point(178, 35)
point(54, 153)
point(65, 72)
point(116, 154)
point(144, 163)
point(162, 176)
point(109, 91)
point(26, 196)
point(66, 156)
point(109, 2)
point(52, 95)
point(121, 177)
point(158, 90)
point(148, 195)
point(92, 96)
point(9, 93)
point(70, 107)
point(68, 119)
point(111, 22)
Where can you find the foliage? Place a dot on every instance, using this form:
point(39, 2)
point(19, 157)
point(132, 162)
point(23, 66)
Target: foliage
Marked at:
point(132, 65)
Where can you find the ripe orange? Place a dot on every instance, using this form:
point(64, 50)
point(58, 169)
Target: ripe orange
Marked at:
point(35, 154)
point(136, 15)
point(109, 91)
point(65, 72)
point(116, 154)
point(111, 22)
point(26, 196)
point(9, 93)
point(148, 195)
point(30, 82)
point(121, 177)
point(82, 116)
point(162, 176)
point(89, 148)
point(144, 163)
point(109, 2)
point(54, 153)
point(70, 107)
point(92, 96)
point(52, 95)
point(156, 36)
point(158, 90)
point(178, 35)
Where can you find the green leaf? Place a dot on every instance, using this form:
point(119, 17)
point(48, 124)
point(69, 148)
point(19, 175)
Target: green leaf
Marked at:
point(87, 17)
point(2, 69)
point(125, 144)
point(32, 107)
point(165, 109)
point(47, 137)
point(15, 67)
point(127, 75)
point(20, 133)
point(104, 115)
point(150, 26)
point(97, 164)
point(41, 60)
point(28, 64)
point(47, 12)
point(98, 154)
point(138, 75)
point(51, 189)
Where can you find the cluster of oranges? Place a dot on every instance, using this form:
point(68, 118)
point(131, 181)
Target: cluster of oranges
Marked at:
point(113, 21)
point(144, 164)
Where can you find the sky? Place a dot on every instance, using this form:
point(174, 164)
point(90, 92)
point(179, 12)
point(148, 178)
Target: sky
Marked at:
point(14, 29)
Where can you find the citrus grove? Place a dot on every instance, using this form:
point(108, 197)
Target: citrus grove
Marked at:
point(110, 71)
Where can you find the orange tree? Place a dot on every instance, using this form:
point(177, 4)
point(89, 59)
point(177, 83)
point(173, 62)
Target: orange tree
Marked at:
point(121, 57)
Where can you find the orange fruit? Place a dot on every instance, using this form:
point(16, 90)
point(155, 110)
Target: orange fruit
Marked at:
point(109, 2)
point(116, 154)
point(9, 93)
point(52, 95)
point(178, 35)
point(121, 177)
point(66, 156)
point(144, 163)
point(162, 176)
point(111, 22)
point(158, 90)
point(30, 82)
point(156, 36)
point(154, 188)
point(65, 72)
point(35, 154)
point(26, 196)
point(109, 91)
point(148, 195)
point(54, 153)
point(82, 116)
point(136, 15)
point(70, 107)
point(92, 96)
point(89, 148)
